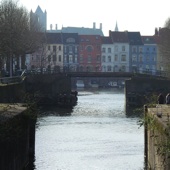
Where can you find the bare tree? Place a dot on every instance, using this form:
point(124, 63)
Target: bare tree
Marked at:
point(164, 48)
point(18, 35)
point(167, 23)
point(49, 54)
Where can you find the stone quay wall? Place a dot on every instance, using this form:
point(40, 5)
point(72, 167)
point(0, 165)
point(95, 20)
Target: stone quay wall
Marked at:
point(12, 93)
point(138, 87)
point(17, 137)
point(48, 84)
point(157, 137)
point(45, 85)
point(17, 127)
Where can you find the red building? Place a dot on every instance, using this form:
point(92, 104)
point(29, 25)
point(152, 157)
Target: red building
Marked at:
point(89, 53)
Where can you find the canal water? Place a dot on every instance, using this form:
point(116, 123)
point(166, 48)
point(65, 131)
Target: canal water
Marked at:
point(96, 134)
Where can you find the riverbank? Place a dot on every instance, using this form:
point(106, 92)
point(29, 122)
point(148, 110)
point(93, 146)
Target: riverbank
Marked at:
point(17, 136)
point(157, 137)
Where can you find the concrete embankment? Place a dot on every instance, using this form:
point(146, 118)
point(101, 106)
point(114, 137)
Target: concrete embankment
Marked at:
point(17, 136)
point(157, 137)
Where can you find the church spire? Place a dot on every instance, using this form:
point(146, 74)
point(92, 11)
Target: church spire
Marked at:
point(116, 27)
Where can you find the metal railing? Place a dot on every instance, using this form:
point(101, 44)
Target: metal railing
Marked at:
point(13, 80)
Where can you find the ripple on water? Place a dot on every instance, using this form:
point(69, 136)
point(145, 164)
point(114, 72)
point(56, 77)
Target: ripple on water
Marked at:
point(96, 136)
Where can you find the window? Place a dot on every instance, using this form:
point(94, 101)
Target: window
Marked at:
point(134, 58)
point(76, 49)
point(109, 68)
point(134, 68)
point(81, 58)
point(109, 50)
point(98, 58)
point(70, 40)
point(140, 49)
point(70, 58)
point(109, 58)
point(140, 59)
point(123, 68)
point(49, 58)
point(147, 67)
point(89, 48)
point(75, 59)
point(115, 68)
point(134, 49)
point(59, 58)
point(123, 48)
point(116, 57)
point(70, 49)
point(54, 48)
point(54, 58)
point(103, 50)
point(116, 48)
point(140, 68)
point(59, 48)
point(49, 47)
point(89, 59)
point(103, 59)
point(37, 57)
point(147, 58)
point(104, 68)
point(123, 57)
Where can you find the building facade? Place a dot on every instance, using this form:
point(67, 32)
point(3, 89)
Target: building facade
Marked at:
point(149, 55)
point(90, 53)
point(121, 51)
point(50, 55)
point(136, 57)
point(107, 60)
point(87, 49)
point(71, 51)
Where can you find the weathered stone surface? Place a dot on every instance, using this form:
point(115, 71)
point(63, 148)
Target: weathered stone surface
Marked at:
point(157, 137)
point(17, 136)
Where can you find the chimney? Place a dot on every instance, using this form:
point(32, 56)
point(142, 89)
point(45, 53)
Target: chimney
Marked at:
point(156, 31)
point(101, 26)
point(56, 27)
point(94, 25)
point(159, 30)
point(51, 26)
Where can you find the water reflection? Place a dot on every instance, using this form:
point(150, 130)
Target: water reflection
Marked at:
point(56, 111)
point(95, 134)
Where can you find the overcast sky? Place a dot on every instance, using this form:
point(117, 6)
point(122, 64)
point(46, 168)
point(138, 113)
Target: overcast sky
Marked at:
point(132, 15)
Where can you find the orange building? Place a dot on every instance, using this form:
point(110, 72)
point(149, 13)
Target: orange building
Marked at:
point(90, 53)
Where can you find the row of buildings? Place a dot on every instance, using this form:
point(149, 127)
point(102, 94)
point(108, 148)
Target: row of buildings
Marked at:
point(87, 49)
point(120, 51)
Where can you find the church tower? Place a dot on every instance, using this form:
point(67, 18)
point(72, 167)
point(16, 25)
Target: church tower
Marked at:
point(116, 27)
point(40, 18)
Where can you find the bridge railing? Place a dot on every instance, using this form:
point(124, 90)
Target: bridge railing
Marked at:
point(11, 80)
point(137, 72)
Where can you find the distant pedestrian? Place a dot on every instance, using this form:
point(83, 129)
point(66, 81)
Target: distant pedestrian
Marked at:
point(168, 98)
point(161, 99)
